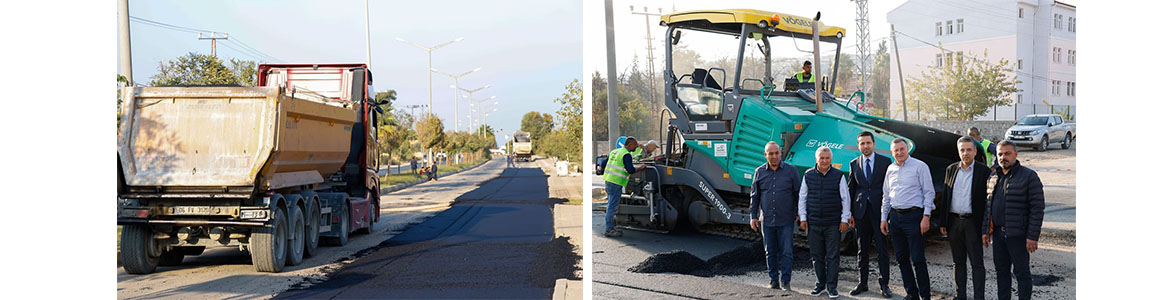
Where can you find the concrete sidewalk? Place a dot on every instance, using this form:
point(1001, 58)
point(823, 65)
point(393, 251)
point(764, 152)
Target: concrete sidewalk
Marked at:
point(567, 221)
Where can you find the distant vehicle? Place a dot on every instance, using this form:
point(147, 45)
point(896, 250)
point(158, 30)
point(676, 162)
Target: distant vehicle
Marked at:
point(522, 146)
point(1038, 131)
point(497, 152)
point(269, 168)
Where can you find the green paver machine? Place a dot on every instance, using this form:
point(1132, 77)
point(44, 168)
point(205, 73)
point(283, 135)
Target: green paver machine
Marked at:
point(717, 133)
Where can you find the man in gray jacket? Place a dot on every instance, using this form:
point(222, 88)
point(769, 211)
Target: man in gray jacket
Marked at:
point(1012, 223)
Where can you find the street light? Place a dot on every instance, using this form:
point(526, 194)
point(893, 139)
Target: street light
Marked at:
point(470, 97)
point(456, 86)
point(472, 103)
point(429, 49)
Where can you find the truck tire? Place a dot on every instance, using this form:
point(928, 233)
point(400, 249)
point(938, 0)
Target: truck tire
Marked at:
point(1044, 143)
point(1066, 142)
point(267, 244)
point(312, 225)
point(172, 257)
point(139, 250)
point(296, 248)
point(343, 220)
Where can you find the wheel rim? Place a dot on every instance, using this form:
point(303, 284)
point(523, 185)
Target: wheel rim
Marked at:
point(312, 225)
point(281, 234)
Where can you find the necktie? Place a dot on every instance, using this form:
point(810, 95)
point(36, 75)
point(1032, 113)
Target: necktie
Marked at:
point(866, 167)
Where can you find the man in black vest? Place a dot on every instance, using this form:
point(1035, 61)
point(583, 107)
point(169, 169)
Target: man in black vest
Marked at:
point(1012, 223)
point(865, 184)
point(965, 190)
point(824, 208)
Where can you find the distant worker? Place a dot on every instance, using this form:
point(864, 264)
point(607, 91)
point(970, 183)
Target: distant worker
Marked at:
point(907, 202)
point(985, 146)
point(414, 166)
point(773, 203)
point(433, 171)
point(1017, 208)
point(806, 75)
point(866, 176)
point(618, 169)
point(824, 208)
point(510, 158)
point(965, 192)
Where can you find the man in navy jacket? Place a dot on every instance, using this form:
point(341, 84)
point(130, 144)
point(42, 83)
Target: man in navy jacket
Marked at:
point(865, 184)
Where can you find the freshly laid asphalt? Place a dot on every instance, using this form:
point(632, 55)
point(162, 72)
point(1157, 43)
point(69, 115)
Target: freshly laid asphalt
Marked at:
point(494, 242)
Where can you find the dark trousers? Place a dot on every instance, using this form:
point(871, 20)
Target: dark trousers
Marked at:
point(824, 246)
point(868, 231)
point(964, 239)
point(1011, 260)
point(778, 250)
point(908, 244)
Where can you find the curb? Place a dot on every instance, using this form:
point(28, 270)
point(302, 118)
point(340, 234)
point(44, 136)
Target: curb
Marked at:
point(404, 185)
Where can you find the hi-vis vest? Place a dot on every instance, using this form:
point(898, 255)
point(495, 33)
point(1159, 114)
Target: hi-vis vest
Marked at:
point(803, 80)
point(615, 172)
point(989, 157)
point(636, 155)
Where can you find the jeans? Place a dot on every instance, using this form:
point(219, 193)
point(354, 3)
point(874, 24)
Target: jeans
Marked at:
point(908, 244)
point(1011, 260)
point(964, 239)
point(778, 250)
point(824, 246)
point(613, 193)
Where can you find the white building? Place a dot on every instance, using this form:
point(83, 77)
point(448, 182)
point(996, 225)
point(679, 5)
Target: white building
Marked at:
point(1037, 36)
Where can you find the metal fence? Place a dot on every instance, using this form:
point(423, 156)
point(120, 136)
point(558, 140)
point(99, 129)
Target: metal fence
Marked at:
point(1018, 111)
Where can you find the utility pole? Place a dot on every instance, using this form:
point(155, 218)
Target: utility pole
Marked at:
point(124, 67)
point(611, 75)
point(864, 58)
point(902, 90)
point(650, 50)
point(213, 37)
point(369, 63)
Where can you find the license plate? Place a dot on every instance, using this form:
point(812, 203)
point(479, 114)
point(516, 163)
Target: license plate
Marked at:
point(192, 210)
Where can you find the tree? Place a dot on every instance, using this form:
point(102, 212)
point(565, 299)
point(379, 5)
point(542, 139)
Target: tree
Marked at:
point(199, 69)
point(880, 81)
point(536, 124)
point(430, 131)
point(565, 142)
point(964, 88)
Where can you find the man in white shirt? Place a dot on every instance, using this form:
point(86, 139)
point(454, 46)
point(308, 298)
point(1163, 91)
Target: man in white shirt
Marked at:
point(907, 202)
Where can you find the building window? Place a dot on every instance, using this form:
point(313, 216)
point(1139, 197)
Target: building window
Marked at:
point(1071, 24)
point(1058, 55)
point(1057, 21)
point(1073, 88)
point(1020, 64)
point(939, 60)
point(1053, 88)
point(1020, 98)
point(1072, 60)
point(960, 26)
point(1069, 57)
point(949, 58)
point(1054, 58)
point(938, 28)
point(1020, 12)
point(950, 29)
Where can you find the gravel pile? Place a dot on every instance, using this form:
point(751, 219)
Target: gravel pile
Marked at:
point(677, 261)
point(738, 261)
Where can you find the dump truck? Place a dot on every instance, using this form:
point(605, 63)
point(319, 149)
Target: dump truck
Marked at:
point(271, 169)
point(718, 129)
point(522, 146)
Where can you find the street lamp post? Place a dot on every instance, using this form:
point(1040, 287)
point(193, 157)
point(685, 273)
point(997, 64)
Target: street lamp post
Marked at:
point(456, 86)
point(469, 102)
point(429, 49)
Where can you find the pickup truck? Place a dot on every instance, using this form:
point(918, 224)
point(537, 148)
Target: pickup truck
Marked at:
point(1039, 131)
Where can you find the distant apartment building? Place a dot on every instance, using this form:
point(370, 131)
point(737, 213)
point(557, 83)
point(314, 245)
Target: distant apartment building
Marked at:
point(1035, 36)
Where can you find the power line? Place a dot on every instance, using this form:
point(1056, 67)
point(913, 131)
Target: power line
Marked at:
point(248, 50)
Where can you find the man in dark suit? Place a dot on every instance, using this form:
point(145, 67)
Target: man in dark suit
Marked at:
point(965, 192)
point(865, 183)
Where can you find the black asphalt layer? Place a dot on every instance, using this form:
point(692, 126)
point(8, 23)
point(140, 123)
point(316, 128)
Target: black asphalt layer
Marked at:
point(494, 242)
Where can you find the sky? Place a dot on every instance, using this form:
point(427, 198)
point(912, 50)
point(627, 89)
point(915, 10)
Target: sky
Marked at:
point(630, 29)
point(528, 58)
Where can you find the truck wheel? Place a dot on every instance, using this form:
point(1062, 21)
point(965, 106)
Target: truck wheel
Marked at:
point(172, 257)
point(1044, 143)
point(312, 226)
point(140, 251)
point(267, 244)
point(344, 220)
point(296, 238)
point(1068, 141)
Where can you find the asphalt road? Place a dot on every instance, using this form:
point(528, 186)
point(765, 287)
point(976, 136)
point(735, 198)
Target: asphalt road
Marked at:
point(1053, 265)
point(496, 241)
point(227, 273)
